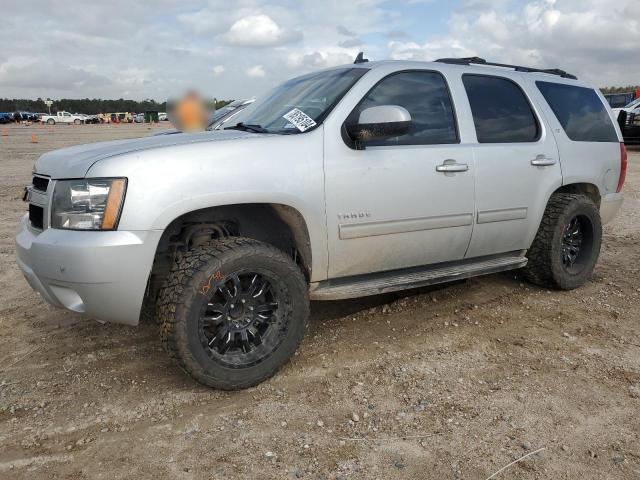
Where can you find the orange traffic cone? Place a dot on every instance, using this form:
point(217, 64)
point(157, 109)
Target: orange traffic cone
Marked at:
point(34, 139)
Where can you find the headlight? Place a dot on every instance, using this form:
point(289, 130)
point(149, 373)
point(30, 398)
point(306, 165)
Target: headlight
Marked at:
point(88, 204)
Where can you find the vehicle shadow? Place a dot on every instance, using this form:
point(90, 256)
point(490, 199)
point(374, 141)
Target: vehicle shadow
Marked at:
point(325, 310)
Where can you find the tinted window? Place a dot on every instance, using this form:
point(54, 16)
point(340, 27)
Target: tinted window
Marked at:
point(426, 96)
point(580, 112)
point(501, 112)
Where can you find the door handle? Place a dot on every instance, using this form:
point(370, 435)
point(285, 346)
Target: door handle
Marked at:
point(452, 167)
point(543, 161)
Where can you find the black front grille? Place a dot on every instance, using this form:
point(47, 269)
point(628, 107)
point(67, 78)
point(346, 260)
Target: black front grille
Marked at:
point(36, 216)
point(40, 183)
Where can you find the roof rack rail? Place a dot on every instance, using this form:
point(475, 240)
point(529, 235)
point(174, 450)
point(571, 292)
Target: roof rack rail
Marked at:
point(517, 68)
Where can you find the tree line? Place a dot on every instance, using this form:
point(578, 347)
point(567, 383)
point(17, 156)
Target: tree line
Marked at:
point(628, 88)
point(91, 106)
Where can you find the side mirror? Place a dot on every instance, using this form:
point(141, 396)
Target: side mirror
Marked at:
point(384, 121)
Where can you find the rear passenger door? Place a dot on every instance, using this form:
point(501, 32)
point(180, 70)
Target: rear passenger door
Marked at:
point(517, 164)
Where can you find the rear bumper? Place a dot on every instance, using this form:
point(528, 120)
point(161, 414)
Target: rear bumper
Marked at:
point(609, 206)
point(100, 274)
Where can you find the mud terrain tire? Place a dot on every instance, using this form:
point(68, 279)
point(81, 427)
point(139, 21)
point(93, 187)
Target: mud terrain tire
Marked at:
point(567, 245)
point(201, 289)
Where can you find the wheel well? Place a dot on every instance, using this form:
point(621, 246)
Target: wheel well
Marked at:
point(587, 189)
point(276, 224)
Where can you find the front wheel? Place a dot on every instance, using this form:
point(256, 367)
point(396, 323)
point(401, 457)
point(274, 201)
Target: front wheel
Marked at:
point(567, 245)
point(233, 312)
point(51, 121)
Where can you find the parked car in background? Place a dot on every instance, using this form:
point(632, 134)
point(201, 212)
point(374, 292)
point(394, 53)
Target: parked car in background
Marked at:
point(224, 115)
point(139, 118)
point(22, 116)
point(618, 100)
point(163, 117)
point(121, 117)
point(6, 118)
point(629, 123)
point(62, 117)
point(82, 116)
point(632, 107)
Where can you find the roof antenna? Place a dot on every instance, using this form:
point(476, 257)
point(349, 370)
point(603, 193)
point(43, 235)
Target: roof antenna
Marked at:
point(360, 58)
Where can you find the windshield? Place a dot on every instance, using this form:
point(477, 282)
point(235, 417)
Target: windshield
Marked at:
point(299, 104)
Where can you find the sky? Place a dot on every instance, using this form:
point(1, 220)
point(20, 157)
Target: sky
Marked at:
point(156, 49)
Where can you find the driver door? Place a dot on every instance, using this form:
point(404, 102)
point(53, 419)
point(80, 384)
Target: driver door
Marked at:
point(391, 205)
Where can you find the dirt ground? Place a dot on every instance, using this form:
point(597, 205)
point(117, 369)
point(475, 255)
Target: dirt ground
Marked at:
point(451, 382)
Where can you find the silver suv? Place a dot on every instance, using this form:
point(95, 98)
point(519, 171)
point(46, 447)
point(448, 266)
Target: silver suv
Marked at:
point(352, 181)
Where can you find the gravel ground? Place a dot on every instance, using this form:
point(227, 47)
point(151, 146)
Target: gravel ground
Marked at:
point(451, 382)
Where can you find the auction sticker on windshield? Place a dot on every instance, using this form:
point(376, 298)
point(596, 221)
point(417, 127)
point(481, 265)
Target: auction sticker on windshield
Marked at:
point(301, 120)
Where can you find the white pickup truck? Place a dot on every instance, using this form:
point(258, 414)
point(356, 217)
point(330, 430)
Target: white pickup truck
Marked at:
point(62, 117)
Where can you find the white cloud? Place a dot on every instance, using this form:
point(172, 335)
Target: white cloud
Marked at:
point(342, 30)
point(260, 31)
point(324, 57)
point(591, 38)
point(23, 73)
point(350, 42)
point(429, 50)
point(256, 71)
point(121, 48)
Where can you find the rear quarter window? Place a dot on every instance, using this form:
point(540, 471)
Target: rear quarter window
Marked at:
point(580, 111)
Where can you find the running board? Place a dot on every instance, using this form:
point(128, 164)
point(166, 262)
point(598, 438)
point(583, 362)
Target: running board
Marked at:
point(377, 283)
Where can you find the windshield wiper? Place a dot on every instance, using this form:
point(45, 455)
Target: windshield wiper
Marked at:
point(248, 128)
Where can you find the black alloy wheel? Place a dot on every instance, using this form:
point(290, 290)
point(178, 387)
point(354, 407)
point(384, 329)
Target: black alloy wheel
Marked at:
point(577, 240)
point(240, 324)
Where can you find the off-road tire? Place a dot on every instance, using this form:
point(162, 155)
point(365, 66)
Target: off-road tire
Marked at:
point(545, 266)
point(181, 298)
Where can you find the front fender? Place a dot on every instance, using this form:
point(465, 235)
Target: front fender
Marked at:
point(166, 183)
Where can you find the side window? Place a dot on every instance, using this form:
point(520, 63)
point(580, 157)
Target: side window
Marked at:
point(580, 112)
point(426, 96)
point(501, 112)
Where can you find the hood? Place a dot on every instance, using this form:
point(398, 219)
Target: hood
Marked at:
point(75, 162)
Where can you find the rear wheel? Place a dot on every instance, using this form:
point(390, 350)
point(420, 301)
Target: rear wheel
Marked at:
point(77, 121)
point(233, 312)
point(567, 245)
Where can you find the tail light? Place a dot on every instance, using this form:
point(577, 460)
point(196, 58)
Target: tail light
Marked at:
point(623, 167)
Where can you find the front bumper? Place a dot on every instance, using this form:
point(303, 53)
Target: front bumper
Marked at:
point(100, 274)
point(609, 206)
